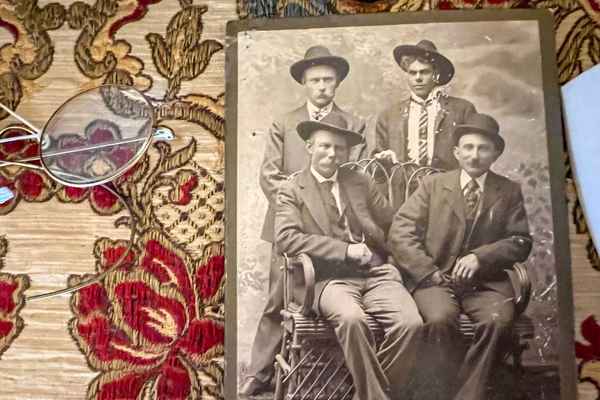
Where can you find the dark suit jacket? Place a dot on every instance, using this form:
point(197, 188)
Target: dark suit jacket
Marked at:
point(285, 154)
point(429, 232)
point(302, 225)
point(391, 132)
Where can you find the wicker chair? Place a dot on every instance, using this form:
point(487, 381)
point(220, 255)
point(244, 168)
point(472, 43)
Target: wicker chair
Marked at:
point(310, 365)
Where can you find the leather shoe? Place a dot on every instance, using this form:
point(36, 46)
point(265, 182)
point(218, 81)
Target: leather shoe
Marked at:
point(253, 386)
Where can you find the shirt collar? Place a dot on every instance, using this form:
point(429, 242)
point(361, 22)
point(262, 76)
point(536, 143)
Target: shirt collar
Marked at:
point(465, 179)
point(320, 178)
point(313, 109)
point(433, 95)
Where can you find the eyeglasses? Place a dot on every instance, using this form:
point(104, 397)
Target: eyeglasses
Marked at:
point(90, 140)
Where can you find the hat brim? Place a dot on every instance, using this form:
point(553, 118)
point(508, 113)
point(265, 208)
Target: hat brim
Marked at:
point(466, 129)
point(338, 63)
point(443, 65)
point(306, 128)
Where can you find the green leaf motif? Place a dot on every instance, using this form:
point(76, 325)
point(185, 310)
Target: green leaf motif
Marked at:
point(10, 92)
point(179, 158)
point(198, 59)
point(160, 54)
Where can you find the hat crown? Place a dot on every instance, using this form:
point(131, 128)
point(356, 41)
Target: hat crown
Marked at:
point(336, 120)
point(317, 52)
point(427, 45)
point(485, 123)
point(426, 49)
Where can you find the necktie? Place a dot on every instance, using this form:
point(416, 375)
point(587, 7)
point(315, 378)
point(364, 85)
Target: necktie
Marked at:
point(330, 199)
point(471, 196)
point(423, 123)
point(319, 114)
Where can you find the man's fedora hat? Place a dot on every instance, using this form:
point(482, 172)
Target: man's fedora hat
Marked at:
point(319, 55)
point(482, 124)
point(427, 50)
point(332, 122)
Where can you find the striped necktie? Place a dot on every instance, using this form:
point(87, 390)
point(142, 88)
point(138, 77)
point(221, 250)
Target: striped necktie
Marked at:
point(423, 125)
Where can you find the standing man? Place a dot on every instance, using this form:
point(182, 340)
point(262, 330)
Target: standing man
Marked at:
point(320, 73)
point(455, 237)
point(338, 218)
point(419, 128)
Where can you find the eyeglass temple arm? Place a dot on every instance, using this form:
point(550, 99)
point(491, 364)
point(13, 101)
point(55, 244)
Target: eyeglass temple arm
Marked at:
point(21, 119)
point(113, 267)
point(19, 138)
point(160, 133)
point(22, 163)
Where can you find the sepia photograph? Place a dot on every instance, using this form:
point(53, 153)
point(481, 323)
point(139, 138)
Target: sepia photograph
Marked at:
point(396, 222)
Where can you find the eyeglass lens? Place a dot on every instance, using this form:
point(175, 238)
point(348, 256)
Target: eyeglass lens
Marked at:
point(96, 135)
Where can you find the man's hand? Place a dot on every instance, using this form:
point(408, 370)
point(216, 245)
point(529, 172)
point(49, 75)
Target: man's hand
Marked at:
point(359, 253)
point(465, 268)
point(387, 155)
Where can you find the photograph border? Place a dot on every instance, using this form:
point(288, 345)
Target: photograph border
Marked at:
point(555, 148)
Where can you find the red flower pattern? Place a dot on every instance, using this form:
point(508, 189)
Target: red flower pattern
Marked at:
point(589, 353)
point(590, 330)
point(19, 149)
point(144, 329)
point(11, 302)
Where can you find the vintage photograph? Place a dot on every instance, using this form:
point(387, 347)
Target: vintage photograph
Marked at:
point(396, 224)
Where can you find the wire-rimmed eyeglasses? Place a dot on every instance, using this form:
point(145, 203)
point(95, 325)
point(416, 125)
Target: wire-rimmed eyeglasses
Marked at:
point(90, 140)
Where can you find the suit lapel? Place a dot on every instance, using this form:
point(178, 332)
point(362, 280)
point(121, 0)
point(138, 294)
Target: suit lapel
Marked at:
point(301, 113)
point(347, 192)
point(439, 118)
point(455, 197)
point(310, 194)
point(491, 194)
point(403, 127)
point(351, 191)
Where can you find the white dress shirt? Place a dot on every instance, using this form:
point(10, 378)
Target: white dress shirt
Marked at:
point(312, 110)
point(414, 114)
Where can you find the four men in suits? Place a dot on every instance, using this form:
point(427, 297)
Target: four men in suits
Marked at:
point(454, 239)
point(320, 73)
point(338, 218)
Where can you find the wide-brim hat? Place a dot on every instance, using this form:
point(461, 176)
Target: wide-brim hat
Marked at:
point(319, 55)
point(482, 124)
point(332, 122)
point(427, 50)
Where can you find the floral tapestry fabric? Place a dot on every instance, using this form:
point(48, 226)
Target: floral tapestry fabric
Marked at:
point(153, 328)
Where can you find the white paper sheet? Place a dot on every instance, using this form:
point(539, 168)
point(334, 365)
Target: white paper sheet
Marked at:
point(581, 104)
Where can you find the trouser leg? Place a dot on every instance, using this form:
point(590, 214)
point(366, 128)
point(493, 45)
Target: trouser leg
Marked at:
point(493, 314)
point(267, 341)
point(341, 304)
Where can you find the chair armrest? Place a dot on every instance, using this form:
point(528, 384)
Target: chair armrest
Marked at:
point(299, 281)
point(522, 285)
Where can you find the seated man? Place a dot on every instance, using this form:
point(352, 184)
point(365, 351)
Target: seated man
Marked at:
point(337, 217)
point(455, 237)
